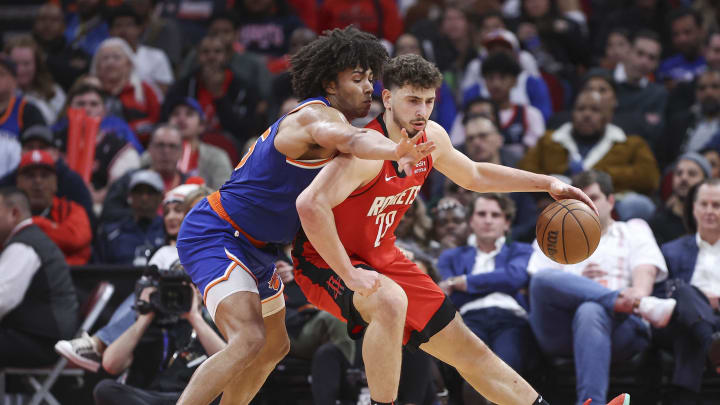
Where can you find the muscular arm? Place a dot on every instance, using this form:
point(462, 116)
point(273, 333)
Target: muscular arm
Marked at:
point(333, 184)
point(643, 279)
point(329, 129)
point(488, 177)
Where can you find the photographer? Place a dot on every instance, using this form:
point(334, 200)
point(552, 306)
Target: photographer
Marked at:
point(186, 344)
point(86, 351)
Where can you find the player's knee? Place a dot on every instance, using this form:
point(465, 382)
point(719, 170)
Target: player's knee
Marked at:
point(392, 304)
point(281, 349)
point(246, 343)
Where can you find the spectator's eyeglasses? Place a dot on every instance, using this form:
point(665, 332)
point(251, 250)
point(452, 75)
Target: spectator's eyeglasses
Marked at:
point(162, 145)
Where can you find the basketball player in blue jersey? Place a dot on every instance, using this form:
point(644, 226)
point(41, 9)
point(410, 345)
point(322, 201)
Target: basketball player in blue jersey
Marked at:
point(229, 242)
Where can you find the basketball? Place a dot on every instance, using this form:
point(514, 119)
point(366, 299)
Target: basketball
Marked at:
point(568, 231)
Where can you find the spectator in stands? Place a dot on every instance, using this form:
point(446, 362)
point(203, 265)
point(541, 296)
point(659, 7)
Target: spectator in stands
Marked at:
point(69, 184)
point(229, 102)
point(158, 32)
point(484, 281)
point(521, 125)
point(86, 351)
point(87, 28)
point(378, 17)
point(601, 81)
point(131, 239)
point(667, 222)
point(151, 64)
point(450, 228)
point(687, 39)
point(694, 331)
point(64, 221)
point(529, 88)
point(187, 343)
point(265, 26)
point(573, 307)
point(477, 106)
point(65, 62)
point(247, 65)
point(492, 24)
point(131, 98)
point(558, 43)
point(591, 142)
point(617, 47)
point(164, 153)
point(485, 143)
point(711, 153)
point(412, 236)
point(691, 129)
point(198, 158)
point(115, 153)
point(33, 77)
point(16, 113)
point(38, 304)
point(635, 91)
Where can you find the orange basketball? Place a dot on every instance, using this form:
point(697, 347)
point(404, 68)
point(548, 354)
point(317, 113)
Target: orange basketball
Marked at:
point(568, 231)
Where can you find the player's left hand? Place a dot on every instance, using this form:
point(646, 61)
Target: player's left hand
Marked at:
point(559, 191)
point(408, 153)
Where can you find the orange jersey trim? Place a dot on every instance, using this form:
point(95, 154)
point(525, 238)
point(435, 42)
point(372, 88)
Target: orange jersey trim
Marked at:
point(216, 205)
point(9, 110)
point(309, 163)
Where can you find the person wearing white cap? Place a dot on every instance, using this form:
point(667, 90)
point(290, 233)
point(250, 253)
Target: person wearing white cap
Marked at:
point(131, 239)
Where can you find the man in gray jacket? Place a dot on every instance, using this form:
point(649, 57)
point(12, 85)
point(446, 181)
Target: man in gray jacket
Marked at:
point(38, 305)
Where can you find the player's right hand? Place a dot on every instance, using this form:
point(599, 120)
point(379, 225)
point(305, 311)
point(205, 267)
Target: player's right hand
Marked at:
point(363, 281)
point(408, 153)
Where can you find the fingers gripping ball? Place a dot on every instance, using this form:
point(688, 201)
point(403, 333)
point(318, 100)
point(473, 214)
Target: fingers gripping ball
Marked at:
point(568, 231)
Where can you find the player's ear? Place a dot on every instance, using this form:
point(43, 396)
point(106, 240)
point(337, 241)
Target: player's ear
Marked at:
point(386, 97)
point(330, 87)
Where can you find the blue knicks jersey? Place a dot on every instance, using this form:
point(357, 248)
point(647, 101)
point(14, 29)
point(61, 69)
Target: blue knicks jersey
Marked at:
point(260, 195)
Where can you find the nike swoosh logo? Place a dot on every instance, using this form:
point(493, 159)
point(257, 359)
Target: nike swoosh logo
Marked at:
point(389, 178)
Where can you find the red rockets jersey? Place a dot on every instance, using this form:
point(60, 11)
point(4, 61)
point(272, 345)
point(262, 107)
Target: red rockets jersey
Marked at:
point(367, 219)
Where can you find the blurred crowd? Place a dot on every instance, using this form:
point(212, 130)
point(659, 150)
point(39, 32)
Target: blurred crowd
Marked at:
point(117, 115)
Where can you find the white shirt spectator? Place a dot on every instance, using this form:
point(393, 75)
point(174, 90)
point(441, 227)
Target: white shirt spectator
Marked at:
point(485, 263)
point(534, 122)
point(624, 246)
point(164, 257)
point(153, 66)
point(10, 151)
point(50, 109)
point(18, 265)
point(706, 276)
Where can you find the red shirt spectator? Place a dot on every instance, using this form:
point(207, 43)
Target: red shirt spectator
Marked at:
point(64, 221)
point(378, 17)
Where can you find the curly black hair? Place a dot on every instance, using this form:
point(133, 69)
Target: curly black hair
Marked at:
point(413, 70)
point(320, 61)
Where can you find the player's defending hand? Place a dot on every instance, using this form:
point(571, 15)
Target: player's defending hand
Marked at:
point(363, 281)
point(559, 190)
point(408, 153)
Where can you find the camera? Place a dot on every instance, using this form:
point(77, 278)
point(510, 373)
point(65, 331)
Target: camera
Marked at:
point(173, 295)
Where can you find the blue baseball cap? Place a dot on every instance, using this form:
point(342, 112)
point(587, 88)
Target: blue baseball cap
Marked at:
point(192, 103)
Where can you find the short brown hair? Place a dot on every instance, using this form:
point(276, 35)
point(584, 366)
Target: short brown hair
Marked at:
point(413, 70)
point(590, 177)
point(507, 205)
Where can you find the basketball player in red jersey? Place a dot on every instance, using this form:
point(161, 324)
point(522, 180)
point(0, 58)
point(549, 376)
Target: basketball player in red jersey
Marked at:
point(349, 214)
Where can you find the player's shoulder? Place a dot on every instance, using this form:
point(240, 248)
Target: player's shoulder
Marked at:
point(306, 114)
point(435, 131)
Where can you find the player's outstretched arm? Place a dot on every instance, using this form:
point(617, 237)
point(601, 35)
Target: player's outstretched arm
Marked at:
point(333, 185)
point(329, 129)
point(488, 177)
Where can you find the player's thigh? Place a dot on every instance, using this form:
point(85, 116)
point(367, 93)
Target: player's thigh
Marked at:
point(389, 300)
point(240, 314)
